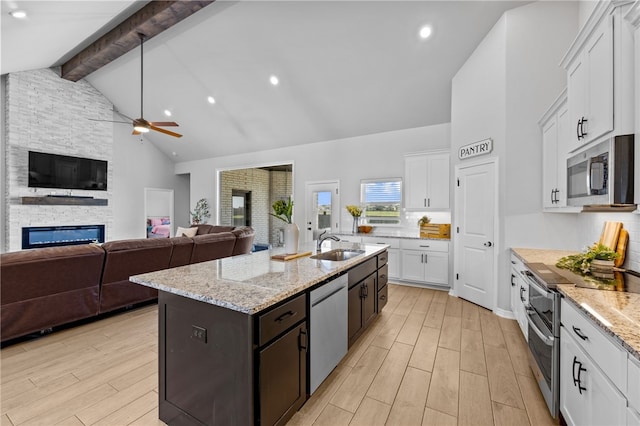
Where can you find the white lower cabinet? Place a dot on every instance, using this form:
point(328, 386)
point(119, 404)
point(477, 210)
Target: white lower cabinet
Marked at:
point(425, 261)
point(587, 397)
point(393, 252)
point(593, 373)
point(633, 418)
point(519, 295)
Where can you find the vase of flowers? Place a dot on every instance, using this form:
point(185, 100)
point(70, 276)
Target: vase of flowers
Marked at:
point(200, 213)
point(283, 210)
point(355, 212)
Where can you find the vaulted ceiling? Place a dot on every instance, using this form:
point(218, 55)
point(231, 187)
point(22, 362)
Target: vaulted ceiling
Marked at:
point(345, 68)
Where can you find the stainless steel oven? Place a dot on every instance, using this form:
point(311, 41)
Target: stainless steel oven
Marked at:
point(543, 316)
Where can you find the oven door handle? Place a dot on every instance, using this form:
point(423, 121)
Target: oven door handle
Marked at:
point(546, 339)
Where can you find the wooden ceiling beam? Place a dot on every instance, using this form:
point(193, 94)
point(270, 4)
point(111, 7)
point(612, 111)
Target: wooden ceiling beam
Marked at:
point(151, 20)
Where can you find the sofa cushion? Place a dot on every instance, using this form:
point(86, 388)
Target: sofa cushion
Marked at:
point(131, 257)
point(212, 246)
point(181, 253)
point(244, 240)
point(186, 232)
point(46, 287)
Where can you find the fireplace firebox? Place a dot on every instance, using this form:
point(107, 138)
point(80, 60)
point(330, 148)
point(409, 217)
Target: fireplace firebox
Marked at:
point(53, 236)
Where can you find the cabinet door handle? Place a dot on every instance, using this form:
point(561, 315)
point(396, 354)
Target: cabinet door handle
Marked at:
point(428, 202)
point(582, 132)
point(577, 381)
point(579, 333)
point(302, 340)
point(578, 129)
point(285, 316)
point(521, 291)
point(424, 245)
point(425, 202)
point(383, 297)
point(512, 278)
point(426, 258)
point(383, 276)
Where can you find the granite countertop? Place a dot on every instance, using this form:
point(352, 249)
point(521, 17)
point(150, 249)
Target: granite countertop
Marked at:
point(620, 309)
point(252, 282)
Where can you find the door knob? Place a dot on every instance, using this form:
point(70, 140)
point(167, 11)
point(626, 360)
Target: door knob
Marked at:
point(488, 244)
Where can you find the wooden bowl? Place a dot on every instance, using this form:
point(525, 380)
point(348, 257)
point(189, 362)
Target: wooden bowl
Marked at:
point(365, 229)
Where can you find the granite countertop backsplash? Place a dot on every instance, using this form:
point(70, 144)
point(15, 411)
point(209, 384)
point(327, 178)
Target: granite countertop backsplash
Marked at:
point(620, 309)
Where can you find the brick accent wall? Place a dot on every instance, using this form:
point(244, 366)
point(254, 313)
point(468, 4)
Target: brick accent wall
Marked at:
point(48, 114)
point(281, 189)
point(266, 187)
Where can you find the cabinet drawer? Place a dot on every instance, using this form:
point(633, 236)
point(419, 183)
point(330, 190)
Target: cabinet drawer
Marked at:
point(516, 263)
point(383, 258)
point(430, 245)
point(383, 296)
point(362, 271)
point(611, 358)
point(383, 276)
point(633, 383)
point(281, 318)
point(391, 242)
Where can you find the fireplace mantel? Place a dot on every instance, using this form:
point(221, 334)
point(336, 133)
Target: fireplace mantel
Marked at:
point(65, 200)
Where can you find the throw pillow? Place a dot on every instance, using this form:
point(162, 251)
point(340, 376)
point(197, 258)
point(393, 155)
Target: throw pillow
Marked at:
point(186, 232)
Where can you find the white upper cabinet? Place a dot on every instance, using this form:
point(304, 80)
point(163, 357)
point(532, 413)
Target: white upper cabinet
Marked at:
point(426, 181)
point(599, 68)
point(556, 135)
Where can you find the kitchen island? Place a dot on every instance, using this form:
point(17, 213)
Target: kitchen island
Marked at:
point(234, 332)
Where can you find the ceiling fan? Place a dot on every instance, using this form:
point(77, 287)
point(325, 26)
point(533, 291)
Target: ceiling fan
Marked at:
point(141, 125)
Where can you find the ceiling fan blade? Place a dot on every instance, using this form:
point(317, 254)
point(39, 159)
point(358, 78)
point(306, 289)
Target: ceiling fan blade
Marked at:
point(135, 132)
point(108, 121)
point(166, 132)
point(164, 123)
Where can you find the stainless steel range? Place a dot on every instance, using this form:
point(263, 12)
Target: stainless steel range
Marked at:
point(543, 316)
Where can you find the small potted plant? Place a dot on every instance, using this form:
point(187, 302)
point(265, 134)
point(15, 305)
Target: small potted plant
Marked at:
point(424, 220)
point(355, 212)
point(283, 210)
point(200, 213)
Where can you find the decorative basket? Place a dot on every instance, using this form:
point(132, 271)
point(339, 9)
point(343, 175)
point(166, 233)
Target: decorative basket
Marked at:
point(436, 230)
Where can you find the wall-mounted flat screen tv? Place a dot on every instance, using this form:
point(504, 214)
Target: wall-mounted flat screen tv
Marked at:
point(65, 172)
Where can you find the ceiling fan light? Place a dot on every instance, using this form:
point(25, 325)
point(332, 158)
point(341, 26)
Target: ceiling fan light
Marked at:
point(141, 129)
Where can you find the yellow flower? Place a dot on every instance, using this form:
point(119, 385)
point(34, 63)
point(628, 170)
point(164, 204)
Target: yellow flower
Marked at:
point(354, 211)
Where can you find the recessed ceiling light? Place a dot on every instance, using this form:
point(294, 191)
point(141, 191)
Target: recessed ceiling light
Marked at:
point(167, 113)
point(274, 80)
point(211, 100)
point(20, 14)
point(425, 32)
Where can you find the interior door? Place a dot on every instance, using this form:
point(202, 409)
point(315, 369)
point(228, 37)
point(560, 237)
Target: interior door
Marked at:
point(322, 208)
point(475, 210)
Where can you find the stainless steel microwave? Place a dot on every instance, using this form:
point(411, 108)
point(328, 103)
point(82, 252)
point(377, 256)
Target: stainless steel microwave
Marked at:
point(603, 174)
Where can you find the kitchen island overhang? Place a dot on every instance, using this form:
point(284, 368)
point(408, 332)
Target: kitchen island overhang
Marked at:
point(216, 363)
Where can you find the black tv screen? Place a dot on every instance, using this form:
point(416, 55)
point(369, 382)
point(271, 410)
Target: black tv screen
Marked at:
point(65, 172)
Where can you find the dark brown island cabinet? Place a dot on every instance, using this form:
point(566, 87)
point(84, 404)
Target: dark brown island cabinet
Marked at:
point(218, 366)
point(367, 294)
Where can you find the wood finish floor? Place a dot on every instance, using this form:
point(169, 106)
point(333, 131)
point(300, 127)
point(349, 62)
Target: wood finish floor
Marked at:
point(428, 359)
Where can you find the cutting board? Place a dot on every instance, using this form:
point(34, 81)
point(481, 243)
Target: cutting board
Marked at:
point(621, 248)
point(610, 234)
point(286, 257)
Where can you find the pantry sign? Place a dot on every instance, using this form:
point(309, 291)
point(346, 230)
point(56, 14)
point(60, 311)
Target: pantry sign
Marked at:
point(477, 148)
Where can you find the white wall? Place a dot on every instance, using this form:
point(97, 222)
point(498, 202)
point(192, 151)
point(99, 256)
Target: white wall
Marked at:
point(347, 160)
point(138, 165)
point(501, 92)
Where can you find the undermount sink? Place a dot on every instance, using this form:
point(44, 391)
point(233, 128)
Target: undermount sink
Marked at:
point(337, 255)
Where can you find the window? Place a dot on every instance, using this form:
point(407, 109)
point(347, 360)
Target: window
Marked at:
point(381, 199)
point(241, 204)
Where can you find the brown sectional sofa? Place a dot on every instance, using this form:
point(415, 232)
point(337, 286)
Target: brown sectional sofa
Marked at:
point(48, 287)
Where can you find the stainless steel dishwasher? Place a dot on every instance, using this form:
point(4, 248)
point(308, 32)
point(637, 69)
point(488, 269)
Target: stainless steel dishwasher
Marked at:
point(327, 329)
